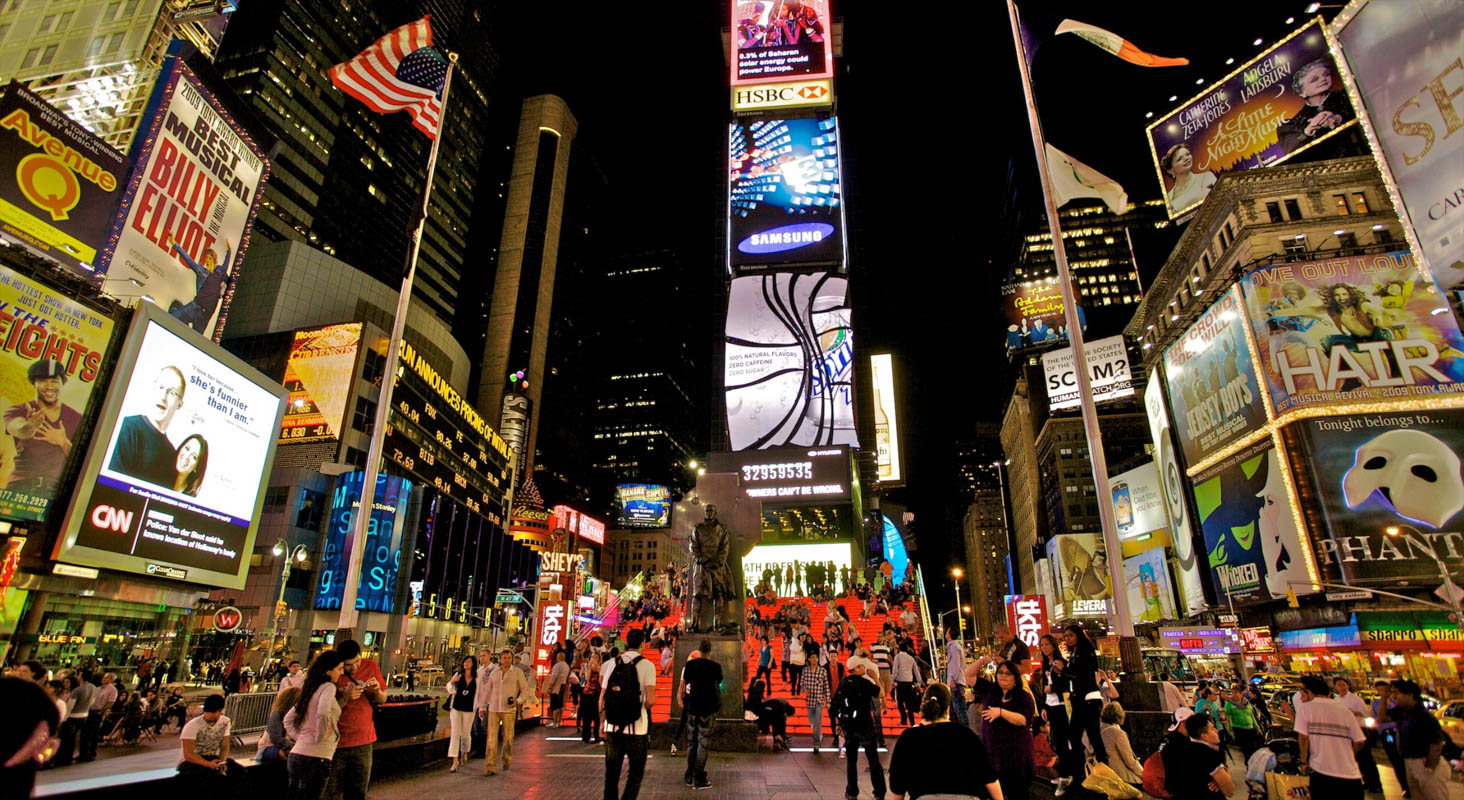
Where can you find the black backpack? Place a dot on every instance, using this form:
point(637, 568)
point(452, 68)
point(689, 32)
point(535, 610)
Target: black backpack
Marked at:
point(849, 708)
point(623, 702)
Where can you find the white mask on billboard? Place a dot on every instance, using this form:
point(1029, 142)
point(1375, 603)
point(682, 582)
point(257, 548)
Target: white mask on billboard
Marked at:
point(1415, 473)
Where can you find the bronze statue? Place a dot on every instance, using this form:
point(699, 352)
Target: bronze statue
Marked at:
point(711, 578)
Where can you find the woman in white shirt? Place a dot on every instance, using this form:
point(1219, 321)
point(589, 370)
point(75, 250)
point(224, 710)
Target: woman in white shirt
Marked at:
point(1189, 187)
point(312, 723)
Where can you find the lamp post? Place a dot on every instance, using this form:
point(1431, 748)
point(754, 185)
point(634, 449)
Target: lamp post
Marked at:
point(957, 572)
point(281, 547)
point(1397, 530)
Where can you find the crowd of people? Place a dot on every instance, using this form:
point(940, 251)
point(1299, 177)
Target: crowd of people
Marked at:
point(822, 581)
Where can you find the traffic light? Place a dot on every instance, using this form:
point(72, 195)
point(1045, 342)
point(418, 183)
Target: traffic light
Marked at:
point(963, 623)
point(1291, 598)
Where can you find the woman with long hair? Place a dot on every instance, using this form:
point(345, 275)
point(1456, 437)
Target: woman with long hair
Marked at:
point(312, 723)
point(191, 465)
point(1052, 688)
point(275, 743)
point(1086, 699)
point(589, 707)
point(462, 691)
point(1007, 709)
point(923, 757)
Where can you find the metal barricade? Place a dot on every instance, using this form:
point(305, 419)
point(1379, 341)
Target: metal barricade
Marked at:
point(247, 711)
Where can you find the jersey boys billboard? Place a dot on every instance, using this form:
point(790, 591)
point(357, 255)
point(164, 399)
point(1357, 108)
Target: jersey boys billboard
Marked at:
point(789, 368)
point(190, 203)
point(1212, 383)
point(1352, 329)
point(784, 201)
point(175, 478)
point(781, 40)
point(1275, 106)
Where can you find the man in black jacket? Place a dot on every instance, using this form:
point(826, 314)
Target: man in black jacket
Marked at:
point(701, 696)
point(852, 705)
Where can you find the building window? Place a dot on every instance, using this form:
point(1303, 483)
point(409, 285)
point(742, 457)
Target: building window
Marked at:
point(1382, 236)
point(1229, 231)
point(1359, 201)
point(276, 496)
point(373, 368)
point(1347, 241)
point(364, 418)
point(1273, 210)
point(1294, 245)
point(1340, 200)
point(356, 458)
point(1293, 208)
point(310, 510)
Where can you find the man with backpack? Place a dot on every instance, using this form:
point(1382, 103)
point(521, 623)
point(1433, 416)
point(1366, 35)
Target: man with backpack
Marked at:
point(853, 707)
point(628, 689)
point(701, 695)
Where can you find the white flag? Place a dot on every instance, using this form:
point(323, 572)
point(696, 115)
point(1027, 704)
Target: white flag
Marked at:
point(1072, 179)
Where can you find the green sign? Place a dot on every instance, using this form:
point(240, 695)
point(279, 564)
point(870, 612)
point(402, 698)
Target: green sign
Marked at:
point(508, 597)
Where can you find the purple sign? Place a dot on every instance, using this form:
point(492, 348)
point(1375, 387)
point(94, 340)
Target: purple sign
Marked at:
point(1275, 106)
point(787, 237)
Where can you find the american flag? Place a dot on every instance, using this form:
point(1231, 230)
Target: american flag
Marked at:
point(401, 72)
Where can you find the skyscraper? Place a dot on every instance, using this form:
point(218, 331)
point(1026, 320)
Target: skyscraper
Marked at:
point(345, 178)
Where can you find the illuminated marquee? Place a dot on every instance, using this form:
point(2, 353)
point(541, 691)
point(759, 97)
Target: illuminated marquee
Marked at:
point(789, 473)
point(1200, 640)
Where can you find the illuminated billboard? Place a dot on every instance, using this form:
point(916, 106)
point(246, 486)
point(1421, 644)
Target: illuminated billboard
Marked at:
point(174, 480)
point(1212, 382)
point(1034, 314)
point(318, 376)
point(1109, 377)
point(1254, 549)
point(780, 40)
point(1138, 501)
point(376, 588)
point(1080, 573)
point(61, 184)
point(794, 94)
point(789, 475)
point(1146, 582)
point(785, 201)
point(788, 372)
point(1403, 54)
point(49, 365)
point(642, 505)
point(588, 528)
point(1274, 106)
point(1352, 329)
point(886, 420)
point(1026, 616)
point(184, 223)
point(894, 548)
point(1396, 470)
point(1172, 484)
point(782, 556)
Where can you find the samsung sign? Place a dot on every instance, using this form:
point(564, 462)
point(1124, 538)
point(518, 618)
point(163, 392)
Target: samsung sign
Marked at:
point(788, 237)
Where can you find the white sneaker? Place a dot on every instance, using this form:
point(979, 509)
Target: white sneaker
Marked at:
point(1062, 785)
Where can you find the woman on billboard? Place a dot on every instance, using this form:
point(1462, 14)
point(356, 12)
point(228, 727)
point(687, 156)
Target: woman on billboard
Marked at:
point(1186, 187)
point(191, 464)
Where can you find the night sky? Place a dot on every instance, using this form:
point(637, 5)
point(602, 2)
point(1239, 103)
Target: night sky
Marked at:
point(932, 118)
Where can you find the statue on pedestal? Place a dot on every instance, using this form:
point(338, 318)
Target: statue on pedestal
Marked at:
point(713, 591)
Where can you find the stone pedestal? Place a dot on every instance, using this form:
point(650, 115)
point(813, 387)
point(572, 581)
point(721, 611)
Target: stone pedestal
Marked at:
point(730, 733)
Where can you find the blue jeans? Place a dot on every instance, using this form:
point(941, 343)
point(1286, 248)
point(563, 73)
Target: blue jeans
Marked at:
point(618, 746)
point(698, 740)
point(958, 703)
point(308, 776)
point(350, 772)
point(815, 720)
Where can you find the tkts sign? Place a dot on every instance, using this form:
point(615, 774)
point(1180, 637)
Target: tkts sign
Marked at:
point(553, 626)
point(1027, 617)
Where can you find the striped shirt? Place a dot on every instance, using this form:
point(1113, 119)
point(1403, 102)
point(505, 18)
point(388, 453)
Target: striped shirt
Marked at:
point(881, 655)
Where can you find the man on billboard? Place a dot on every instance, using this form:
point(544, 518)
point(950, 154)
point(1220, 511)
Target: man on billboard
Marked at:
point(143, 449)
point(211, 276)
point(1326, 106)
point(42, 429)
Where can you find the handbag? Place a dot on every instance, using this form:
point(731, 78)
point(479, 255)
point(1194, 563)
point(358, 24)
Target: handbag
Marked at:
point(1280, 786)
point(1102, 779)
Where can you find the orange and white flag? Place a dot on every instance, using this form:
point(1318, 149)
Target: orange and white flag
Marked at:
point(1118, 45)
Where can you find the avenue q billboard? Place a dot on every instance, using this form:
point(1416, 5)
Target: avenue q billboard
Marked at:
point(1274, 106)
point(174, 480)
point(185, 218)
point(781, 40)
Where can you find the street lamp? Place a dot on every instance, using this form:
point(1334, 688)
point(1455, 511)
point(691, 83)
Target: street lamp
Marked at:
point(281, 547)
point(957, 572)
point(1397, 530)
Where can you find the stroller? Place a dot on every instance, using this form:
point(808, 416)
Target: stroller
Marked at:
point(1282, 753)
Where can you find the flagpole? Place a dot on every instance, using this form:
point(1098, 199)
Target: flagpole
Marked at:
point(1125, 624)
point(348, 615)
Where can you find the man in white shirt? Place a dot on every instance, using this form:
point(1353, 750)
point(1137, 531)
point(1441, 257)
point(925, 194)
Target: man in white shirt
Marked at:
point(908, 619)
point(204, 741)
point(555, 687)
point(1371, 781)
point(630, 740)
point(497, 701)
point(295, 677)
point(1330, 737)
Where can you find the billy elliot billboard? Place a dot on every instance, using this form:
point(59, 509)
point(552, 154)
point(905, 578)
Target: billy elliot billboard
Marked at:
point(184, 222)
point(61, 183)
point(1391, 492)
point(1212, 383)
point(781, 40)
point(1276, 105)
point(174, 480)
point(785, 201)
point(789, 369)
point(1352, 329)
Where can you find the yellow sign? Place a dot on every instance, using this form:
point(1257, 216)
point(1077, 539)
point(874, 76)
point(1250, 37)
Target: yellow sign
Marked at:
point(1412, 635)
point(795, 94)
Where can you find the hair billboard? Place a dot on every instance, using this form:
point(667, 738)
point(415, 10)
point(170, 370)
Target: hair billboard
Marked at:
point(1276, 105)
point(174, 480)
point(1352, 329)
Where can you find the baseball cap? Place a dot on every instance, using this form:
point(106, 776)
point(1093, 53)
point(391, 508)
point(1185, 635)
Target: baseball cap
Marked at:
point(1180, 715)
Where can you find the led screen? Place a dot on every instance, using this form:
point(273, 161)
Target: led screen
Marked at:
point(785, 199)
point(1352, 329)
point(788, 372)
point(185, 219)
point(376, 589)
point(1138, 501)
point(642, 505)
point(1146, 582)
point(318, 376)
point(781, 556)
point(780, 40)
point(1276, 105)
point(886, 419)
point(175, 477)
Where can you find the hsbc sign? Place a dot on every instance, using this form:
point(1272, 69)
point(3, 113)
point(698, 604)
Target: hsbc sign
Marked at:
point(796, 94)
point(1027, 617)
